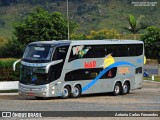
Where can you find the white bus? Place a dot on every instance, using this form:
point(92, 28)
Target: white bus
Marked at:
point(73, 68)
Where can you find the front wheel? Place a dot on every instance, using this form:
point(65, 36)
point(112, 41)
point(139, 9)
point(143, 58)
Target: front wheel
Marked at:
point(117, 89)
point(76, 92)
point(125, 88)
point(66, 92)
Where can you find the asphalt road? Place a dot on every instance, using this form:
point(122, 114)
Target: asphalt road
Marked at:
point(147, 98)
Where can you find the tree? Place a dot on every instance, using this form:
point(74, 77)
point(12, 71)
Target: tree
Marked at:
point(41, 25)
point(151, 39)
point(103, 34)
point(11, 49)
point(134, 25)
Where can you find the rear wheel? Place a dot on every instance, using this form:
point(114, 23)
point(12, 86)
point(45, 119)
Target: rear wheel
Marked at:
point(66, 92)
point(125, 88)
point(76, 91)
point(117, 89)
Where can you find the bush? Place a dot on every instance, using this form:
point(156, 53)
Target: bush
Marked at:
point(103, 34)
point(11, 49)
point(6, 70)
point(151, 39)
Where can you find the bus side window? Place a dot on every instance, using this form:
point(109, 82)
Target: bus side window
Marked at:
point(122, 51)
point(111, 50)
point(89, 53)
point(72, 56)
point(99, 51)
point(139, 49)
point(60, 53)
point(132, 50)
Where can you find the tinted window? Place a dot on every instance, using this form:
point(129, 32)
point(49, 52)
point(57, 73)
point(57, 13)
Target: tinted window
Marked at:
point(122, 51)
point(88, 52)
point(135, 50)
point(138, 70)
point(88, 74)
point(38, 53)
point(60, 53)
point(139, 49)
point(131, 50)
point(112, 50)
point(100, 51)
point(80, 74)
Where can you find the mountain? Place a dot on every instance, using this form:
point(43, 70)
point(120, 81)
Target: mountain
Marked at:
point(89, 14)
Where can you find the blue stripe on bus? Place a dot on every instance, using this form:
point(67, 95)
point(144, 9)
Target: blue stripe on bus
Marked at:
point(116, 64)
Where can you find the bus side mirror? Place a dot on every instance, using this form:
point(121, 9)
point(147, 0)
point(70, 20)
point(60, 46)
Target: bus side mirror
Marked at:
point(14, 64)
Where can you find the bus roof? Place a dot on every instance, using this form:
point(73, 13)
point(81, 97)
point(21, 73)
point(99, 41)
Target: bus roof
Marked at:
point(108, 41)
point(87, 42)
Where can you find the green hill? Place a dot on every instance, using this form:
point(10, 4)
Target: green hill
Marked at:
point(89, 14)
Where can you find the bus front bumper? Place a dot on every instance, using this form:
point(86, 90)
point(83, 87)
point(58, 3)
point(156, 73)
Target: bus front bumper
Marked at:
point(38, 91)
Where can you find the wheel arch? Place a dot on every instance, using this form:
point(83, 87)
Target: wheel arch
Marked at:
point(75, 85)
point(127, 81)
point(67, 84)
point(117, 81)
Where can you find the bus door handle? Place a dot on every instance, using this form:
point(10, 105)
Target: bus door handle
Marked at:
point(14, 64)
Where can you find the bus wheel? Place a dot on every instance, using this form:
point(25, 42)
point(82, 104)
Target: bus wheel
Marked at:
point(76, 91)
point(125, 88)
point(66, 92)
point(117, 89)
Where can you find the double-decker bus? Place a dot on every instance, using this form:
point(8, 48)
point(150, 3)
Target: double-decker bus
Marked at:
point(73, 68)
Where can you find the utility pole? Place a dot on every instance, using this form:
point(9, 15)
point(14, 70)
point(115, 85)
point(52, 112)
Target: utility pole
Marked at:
point(68, 20)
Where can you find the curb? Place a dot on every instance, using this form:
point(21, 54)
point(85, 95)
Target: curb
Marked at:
point(8, 94)
point(150, 81)
point(8, 85)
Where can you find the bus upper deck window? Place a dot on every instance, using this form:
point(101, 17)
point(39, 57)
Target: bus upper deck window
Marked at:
point(60, 53)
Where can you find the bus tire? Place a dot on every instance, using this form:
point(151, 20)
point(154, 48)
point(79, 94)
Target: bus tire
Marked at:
point(117, 89)
point(76, 92)
point(66, 92)
point(125, 88)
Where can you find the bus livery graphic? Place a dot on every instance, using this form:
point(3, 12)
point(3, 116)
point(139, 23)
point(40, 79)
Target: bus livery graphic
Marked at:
point(116, 64)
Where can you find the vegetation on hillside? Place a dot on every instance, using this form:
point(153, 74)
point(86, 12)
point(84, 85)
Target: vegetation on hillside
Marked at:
point(90, 14)
point(97, 19)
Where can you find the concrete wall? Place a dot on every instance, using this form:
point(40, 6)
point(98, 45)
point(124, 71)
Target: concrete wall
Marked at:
point(9, 85)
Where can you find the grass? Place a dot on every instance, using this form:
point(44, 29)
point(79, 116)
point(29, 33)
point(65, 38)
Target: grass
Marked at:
point(9, 91)
point(156, 78)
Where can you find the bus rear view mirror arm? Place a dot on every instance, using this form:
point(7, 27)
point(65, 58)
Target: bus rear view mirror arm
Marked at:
point(52, 63)
point(14, 64)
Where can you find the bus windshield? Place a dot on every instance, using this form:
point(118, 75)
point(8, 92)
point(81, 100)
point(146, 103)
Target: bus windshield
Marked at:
point(38, 53)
